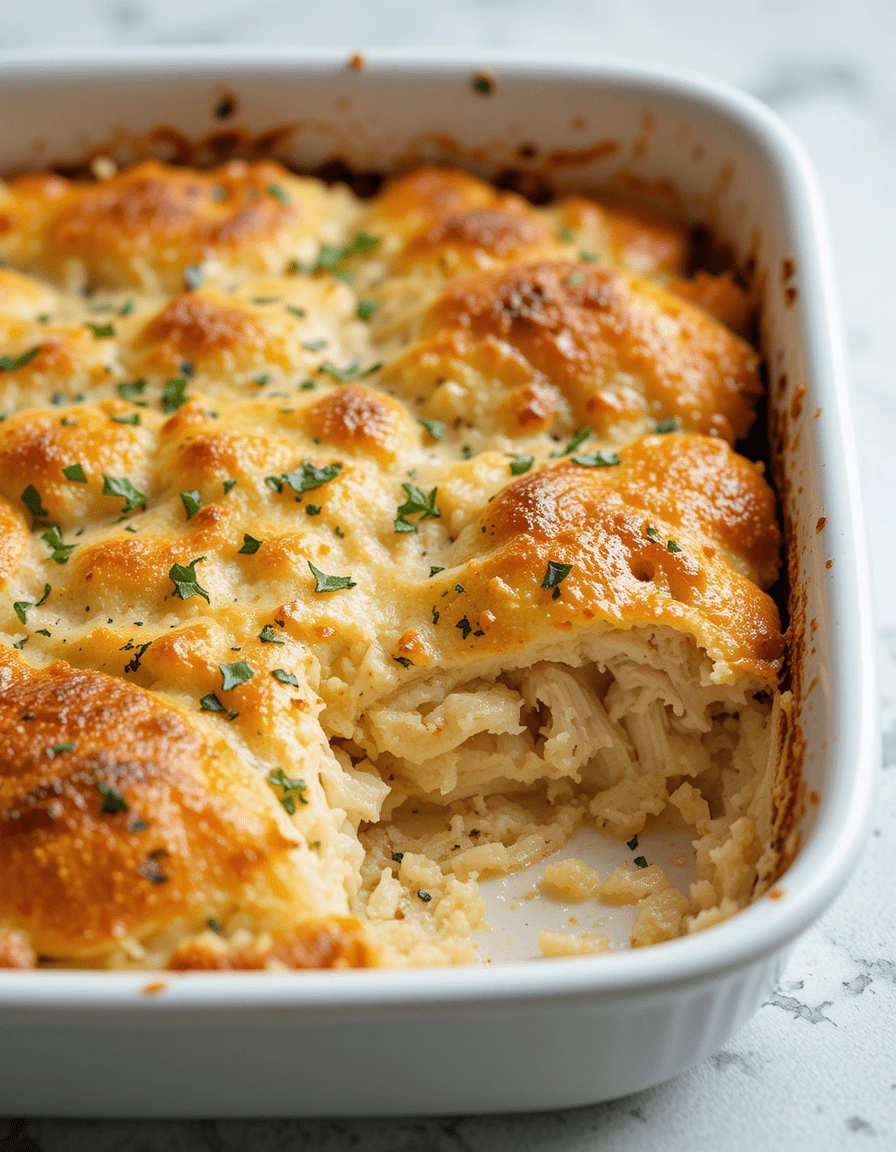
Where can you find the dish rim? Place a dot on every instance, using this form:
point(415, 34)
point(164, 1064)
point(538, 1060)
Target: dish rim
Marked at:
point(825, 861)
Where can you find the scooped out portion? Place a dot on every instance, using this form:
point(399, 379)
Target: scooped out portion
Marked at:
point(355, 551)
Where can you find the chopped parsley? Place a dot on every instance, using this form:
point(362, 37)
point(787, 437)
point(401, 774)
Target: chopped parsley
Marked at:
point(12, 363)
point(348, 375)
point(652, 533)
point(666, 426)
point(31, 500)
point(134, 663)
point(150, 869)
point(435, 570)
point(184, 579)
point(673, 545)
point(519, 465)
point(58, 749)
point(285, 677)
point(589, 257)
point(228, 486)
point(305, 478)
point(641, 861)
point(597, 460)
point(416, 503)
point(265, 299)
point(192, 277)
point(565, 236)
point(211, 703)
point(121, 487)
point(192, 502)
point(574, 279)
point(58, 551)
point(250, 545)
point(101, 331)
point(290, 790)
point(314, 345)
point(279, 193)
point(75, 473)
point(578, 438)
point(402, 660)
point(331, 256)
point(435, 616)
point(324, 583)
point(436, 428)
point(556, 573)
point(132, 389)
point(300, 312)
point(213, 925)
point(366, 309)
point(312, 509)
point(424, 896)
point(398, 857)
point(465, 626)
point(261, 380)
point(269, 636)
point(174, 394)
point(113, 802)
point(127, 308)
point(20, 607)
point(128, 418)
point(232, 675)
point(633, 843)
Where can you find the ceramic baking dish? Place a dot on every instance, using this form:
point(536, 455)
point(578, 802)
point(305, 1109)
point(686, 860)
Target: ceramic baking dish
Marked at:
point(509, 1036)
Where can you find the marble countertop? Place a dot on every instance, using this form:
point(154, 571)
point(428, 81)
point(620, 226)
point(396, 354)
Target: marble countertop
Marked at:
point(816, 1068)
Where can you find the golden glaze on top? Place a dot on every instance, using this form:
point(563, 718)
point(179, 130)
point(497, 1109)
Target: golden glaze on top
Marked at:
point(467, 329)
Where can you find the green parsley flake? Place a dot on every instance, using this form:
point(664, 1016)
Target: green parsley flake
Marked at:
point(58, 551)
point(402, 660)
point(132, 389)
point(184, 579)
point(641, 861)
point(127, 308)
point(416, 503)
point(269, 636)
point(113, 802)
point(285, 677)
point(465, 626)
point(330, 256)
point(673, 546)
point(192, 277)
point(31, 500)
point(250, 545)
point(174, 394)
point(232, 675)
point(213, 925)
point(666, 426)
point(12, 363)
point(228, 486)
point(424, 896)
point(261, 380)
point(290, 790)
point(398, 857)
point(436, 428)
point(366, 309)
point(192, 502)
point(121, 487)
point(435, 570)
point(20, 607)
point(75, 473)
point(652, 533)
point(129, 418)
point(314, 345)
point(279, 193)
point(324, 583)
point(597, 460)
point(101, 331)
point(578, 438)
point(565, 236)
point(519, 465)
point(312, 509)
point(633, 843)
point(58, 749)
point(350, 374)
point(554, 575)
point(575, 279)
point(211, 703)
point(305, 478)
point(300, 312)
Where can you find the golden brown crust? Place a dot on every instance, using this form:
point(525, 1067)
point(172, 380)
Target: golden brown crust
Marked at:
point(357, 418)
point(80, 871)
point(14, 538)
point(633, 236)
point(618, 347)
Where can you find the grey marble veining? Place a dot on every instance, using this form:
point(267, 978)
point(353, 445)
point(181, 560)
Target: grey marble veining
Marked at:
point(816, 1068)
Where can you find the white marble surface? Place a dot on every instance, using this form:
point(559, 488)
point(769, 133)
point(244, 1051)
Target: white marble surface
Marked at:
point(817, 1067)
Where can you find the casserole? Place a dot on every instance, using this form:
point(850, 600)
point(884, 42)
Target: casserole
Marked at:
point(601, 1028)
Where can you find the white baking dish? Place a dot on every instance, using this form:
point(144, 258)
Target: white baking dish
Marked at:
point(517, 1035)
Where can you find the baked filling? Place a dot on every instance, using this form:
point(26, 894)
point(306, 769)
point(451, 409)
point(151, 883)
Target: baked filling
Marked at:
point(353, 551)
